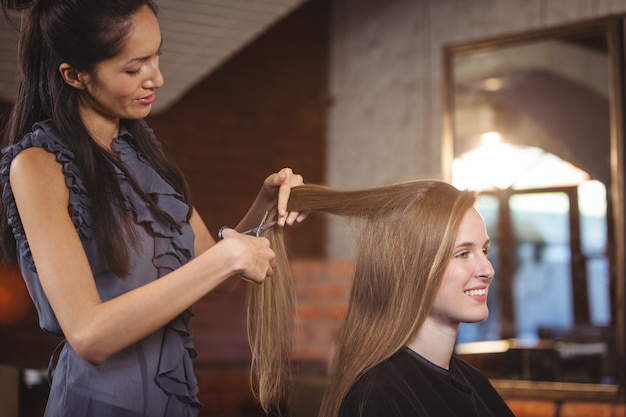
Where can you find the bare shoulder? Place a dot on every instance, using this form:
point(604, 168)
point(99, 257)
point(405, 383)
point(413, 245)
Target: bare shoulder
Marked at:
point(33, 161)
point(37, 171)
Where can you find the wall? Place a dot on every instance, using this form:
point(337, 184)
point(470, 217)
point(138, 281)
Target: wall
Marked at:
point(262, 110)
point(317, 326)
point(266, 108)
point(386, 81)
point(386, 75)
point(385, 124)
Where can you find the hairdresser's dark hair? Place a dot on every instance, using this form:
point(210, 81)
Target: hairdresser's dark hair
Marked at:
point(82, 33)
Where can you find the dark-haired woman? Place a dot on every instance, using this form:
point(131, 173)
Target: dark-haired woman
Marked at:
point(100, 221)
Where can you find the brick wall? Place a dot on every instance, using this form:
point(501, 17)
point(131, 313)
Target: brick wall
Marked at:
point(266, 108)
point(322, 288)
point(262, 110)
point(571, 409)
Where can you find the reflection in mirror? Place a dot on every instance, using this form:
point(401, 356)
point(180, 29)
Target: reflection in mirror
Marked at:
point(531, 128)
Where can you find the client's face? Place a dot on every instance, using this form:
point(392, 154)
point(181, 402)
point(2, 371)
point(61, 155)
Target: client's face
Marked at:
point(462, 297)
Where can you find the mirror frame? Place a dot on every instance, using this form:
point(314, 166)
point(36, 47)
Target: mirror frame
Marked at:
point(613, 29)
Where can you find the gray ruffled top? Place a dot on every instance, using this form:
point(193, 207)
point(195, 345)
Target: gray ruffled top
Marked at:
point(153, 377)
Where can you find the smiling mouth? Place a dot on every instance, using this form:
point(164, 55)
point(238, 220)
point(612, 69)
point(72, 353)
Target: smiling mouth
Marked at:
point(476, 292)
point(147, 100)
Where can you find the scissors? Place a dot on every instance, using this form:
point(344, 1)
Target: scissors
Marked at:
point(255, 231)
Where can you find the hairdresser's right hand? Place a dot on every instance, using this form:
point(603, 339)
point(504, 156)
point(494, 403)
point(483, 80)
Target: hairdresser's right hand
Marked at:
point(255, 257)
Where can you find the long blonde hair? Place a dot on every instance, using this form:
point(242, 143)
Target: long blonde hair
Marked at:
point(403, 249)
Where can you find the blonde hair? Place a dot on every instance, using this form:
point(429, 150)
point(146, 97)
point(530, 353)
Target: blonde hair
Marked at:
point(403, 249)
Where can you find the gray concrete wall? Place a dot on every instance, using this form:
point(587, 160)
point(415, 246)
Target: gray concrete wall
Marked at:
point(386, 80)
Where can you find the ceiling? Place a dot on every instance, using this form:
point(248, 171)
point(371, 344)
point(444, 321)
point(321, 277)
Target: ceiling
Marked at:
point(198, 36)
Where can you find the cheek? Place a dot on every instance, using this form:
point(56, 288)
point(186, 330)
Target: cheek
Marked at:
point(454, 279)
point(447, 297)
point(122, 91)
point(118, 90)
point(452, 287)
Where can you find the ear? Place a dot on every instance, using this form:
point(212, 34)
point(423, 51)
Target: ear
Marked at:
point(73, 77)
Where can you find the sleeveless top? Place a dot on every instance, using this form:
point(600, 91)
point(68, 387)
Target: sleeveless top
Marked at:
point(153, 377)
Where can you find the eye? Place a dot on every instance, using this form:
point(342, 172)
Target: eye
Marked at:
point(133, 73)
point(462, 254)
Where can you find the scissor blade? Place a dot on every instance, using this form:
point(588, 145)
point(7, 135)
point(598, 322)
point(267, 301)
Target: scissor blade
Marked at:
point(258, 230)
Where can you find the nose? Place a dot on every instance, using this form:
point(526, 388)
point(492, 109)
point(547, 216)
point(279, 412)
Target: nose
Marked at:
point(155, 78)
point(485, 270)
point(158, 80)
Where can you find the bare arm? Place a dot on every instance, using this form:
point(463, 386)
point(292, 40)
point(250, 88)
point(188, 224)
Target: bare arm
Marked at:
point(97, 329)
point(203, 242)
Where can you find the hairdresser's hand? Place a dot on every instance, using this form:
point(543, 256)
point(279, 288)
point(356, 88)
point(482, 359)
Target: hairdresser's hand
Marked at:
point(255, 257)
point(279, 184)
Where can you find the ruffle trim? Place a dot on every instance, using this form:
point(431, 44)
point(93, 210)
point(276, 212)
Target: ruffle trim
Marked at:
point(171, 251)
point(175, 375)
point(44, 136)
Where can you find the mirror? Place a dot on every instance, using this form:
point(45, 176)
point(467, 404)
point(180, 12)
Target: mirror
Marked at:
point(534, 122)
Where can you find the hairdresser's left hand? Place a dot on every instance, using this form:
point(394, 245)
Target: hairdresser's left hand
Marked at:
point(280, 184)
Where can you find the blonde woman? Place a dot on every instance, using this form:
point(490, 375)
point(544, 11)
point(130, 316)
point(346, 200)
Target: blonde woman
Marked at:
point(422, 268)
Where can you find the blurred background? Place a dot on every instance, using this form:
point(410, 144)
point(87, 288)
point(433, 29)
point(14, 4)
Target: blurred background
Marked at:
point(349, 93)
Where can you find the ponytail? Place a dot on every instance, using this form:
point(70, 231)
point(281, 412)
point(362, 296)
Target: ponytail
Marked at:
point(82, 33)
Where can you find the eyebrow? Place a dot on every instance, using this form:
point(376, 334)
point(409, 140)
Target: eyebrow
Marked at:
point(144, 58)
point(471, 244)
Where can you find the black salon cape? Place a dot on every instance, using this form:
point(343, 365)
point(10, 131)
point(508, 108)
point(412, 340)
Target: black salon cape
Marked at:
point(408, 385)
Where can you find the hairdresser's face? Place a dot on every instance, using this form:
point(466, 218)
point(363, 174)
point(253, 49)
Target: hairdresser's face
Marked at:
point(124, 86)
point(462, 297)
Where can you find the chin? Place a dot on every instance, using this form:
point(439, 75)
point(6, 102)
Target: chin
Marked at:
point(478, 317)
point(144, 114)
point(138, 112)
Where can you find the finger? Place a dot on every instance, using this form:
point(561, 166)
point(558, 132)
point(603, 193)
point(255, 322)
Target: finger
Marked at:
point(294, 179)
point(286, 177)
point(280, 177)
point(228, 231)
point(259, 281)
point(292, 218)
point(250, 280)
point(302, 217)
point(283, 197)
